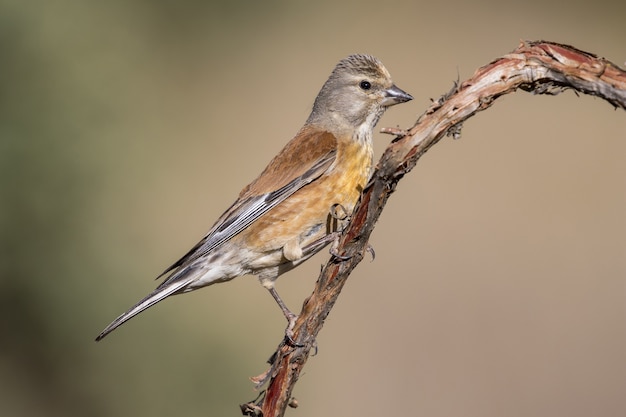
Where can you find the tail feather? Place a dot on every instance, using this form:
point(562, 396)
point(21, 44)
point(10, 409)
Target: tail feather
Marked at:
point(162, 292)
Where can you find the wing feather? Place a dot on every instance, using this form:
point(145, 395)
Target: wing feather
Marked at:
point(304, 159)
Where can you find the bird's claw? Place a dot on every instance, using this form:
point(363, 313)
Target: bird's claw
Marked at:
point(334, 248)
point(335, 253)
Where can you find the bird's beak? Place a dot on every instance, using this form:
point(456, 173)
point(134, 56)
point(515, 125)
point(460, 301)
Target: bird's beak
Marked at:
point(394, 95)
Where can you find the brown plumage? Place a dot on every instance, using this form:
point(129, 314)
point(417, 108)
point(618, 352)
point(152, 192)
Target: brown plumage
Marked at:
point(283, 217)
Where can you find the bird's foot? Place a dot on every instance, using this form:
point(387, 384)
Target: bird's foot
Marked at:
point(334, 248)
point(289, 334)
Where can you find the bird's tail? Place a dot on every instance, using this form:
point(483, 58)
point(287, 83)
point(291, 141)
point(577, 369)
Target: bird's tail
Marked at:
point(164, 290)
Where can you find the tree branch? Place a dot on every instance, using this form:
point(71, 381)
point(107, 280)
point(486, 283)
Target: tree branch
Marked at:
point(537, 67)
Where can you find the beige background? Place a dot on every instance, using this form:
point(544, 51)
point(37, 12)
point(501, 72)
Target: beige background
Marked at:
point(126, 128)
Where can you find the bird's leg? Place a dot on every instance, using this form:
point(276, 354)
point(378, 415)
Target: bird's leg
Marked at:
point(340, 215)
point(325, 240)
point(318, 244)
point(291, 317)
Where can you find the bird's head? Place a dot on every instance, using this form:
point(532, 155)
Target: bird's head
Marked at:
point(356, 95)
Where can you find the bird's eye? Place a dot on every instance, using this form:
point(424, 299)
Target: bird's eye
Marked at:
point(365, 85)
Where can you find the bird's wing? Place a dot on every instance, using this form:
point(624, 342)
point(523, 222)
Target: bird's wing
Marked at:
point(304, 159)
point(301, 162)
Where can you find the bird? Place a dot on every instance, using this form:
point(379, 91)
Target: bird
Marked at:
point(303, 198)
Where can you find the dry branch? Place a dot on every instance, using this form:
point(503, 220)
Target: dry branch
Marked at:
point(537, 67)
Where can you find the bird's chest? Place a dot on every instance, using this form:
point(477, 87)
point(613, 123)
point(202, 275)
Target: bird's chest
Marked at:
point(346, 179)
point(326, 206)
point(320, 207)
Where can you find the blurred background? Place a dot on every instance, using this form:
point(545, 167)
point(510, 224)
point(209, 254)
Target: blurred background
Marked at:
point(126, 128)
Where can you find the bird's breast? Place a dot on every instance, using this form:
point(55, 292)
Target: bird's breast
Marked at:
point(305, 216)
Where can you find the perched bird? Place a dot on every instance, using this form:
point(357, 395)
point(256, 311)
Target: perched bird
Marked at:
point(289, 212)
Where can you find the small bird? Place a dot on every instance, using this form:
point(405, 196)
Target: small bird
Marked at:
point(301, 200)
